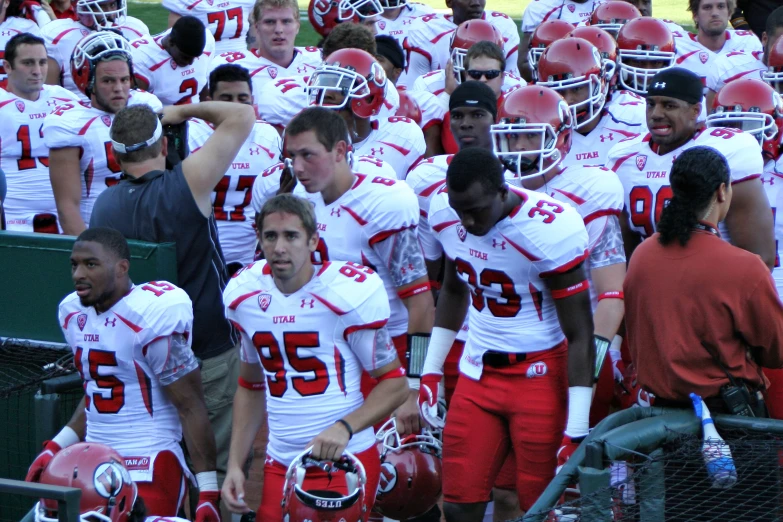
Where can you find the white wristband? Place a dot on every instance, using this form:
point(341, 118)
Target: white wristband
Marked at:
point(615, 355)
point(440, 345)
point(207, 481)
point(413, 383)
point(617, 342)
point(579, 399)
point(66, 437)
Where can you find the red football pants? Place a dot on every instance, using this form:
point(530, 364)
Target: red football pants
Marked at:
point(274, 481)
point(503, 409)
point(166, 493)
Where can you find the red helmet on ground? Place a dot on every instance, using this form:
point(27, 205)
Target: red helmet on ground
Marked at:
point(604, 42)
point(108, 493)
point(468, 33)
point(301, 505)
point(411, 472)
point(355, 76)
point(542, 36)
point(774, 73)
point(611, 16)
point(571, 63)
point(409, 108)
point(753, 106)
point(532, 110)
point(93, 48)
point(324, 15)
point(648, 40)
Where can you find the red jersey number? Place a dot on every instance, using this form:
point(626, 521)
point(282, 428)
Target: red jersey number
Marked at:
point(490, 278)
point(116, 388)
point(645, 209)
point(244, 183)
point(316, 383)
point(219, 18)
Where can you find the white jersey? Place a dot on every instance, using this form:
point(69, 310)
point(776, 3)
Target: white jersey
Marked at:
point(733, 66)
point(10, 27)
point(400, 27)
point(126, 355)
point(432, 109)
point(511, 308)
point(87, 128)
point(645, 174)
point(772, 181)
point(694, 56)
point(434, 82)
point(428, 179)
point(165, 519)
point(398, 141)
point(61, 37)
point(623, 118)
point(172, 84)
point(337, 321)
point(24, 158)
point(227, 20)
point(231, 198)
point(540, 11)
point(263, 71)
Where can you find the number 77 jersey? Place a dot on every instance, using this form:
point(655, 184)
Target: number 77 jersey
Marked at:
point(511, 308)
point(645, 174)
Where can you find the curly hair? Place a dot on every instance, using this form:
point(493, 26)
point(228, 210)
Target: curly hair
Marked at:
point(696, 174)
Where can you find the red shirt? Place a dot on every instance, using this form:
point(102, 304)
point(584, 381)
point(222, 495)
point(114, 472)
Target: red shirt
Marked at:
point(710, 292)
point(68, 13)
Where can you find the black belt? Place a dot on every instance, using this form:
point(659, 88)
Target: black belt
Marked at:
point(502, 359)
point(715, 404)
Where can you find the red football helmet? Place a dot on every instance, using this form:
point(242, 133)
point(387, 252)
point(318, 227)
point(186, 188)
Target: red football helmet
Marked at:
point(753, 106)
point(529, 111)
point(774, 73)
point(468, 33)
point(570, 63)
point(643, 40)
point(353, 74)
point(408, 107)
point(410, 473)
point(93, 48)
point(606, 45)
point(108, 493)
point(300, 505)
point(542, 36)
point(92, 15)
point(324, 15)
point(611, 16)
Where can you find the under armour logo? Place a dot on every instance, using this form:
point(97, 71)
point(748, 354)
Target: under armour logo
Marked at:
point(659, 85)
point(771, 181)
point(610, 137)
point(301, 70)
point(335, 212)
point(501, 244)
point(372, 151)
point(611, 252)
point(112, 321)
point(254, 151)
point(407, 22)
point(6, 33)
point(51, 102)
point(311, 302)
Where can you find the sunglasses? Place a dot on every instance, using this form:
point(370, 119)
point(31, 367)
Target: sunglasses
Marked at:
point(489, 75)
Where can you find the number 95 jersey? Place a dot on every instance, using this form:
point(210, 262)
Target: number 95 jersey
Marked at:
point(312, 346)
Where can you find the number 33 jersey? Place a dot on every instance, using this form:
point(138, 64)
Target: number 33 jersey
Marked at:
point(645, 174)
point(312, 346)
point(511, 308)
point(126, 355)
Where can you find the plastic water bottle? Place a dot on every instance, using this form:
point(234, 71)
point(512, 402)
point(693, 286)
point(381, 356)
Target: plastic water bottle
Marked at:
point(714, 450)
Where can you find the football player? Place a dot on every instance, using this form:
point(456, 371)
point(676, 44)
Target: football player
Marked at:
point(132, 347)
point(397, 19)
point(544, 35)
point(227, 20)
point(611, 16)
point(62, 36)
point(24, 158)
point(645, 46)
point(9, 27)
point(82, 162)
point(326, 15)
point(514, 257)
point(261, 150)
point(674, 102)
point(174, 64)
point(272, 54)
point(339, 313)
point(574, 68)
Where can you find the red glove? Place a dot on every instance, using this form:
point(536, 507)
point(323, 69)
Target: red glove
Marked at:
point(567, 448)
point(208, 509)
point(428, 399)
point(41, 461)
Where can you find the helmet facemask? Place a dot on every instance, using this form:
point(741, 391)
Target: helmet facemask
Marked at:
point(529, 163)
point(100, 18)
point(348, 10)
point(583, 112)
point(636, 79)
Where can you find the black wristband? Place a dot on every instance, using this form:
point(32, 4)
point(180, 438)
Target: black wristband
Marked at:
point(347, 427)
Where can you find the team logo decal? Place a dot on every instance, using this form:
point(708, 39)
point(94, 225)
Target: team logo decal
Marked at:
point(272, 72)
point(106, 120)
point(388, 478)
point(85, 32)
point(382, 25)
point(461, 232)
point(81, 320)
point(571, 7)
point(20, 105)
point(109, 479)
point(704, 57)
point(264, 300)
point(641, 161)
point(537, 369)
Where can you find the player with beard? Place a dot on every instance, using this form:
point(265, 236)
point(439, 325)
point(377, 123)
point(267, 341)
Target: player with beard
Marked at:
point(132, 347)
point(82, 164)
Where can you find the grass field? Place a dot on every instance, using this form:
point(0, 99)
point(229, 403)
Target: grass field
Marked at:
point(156, 17)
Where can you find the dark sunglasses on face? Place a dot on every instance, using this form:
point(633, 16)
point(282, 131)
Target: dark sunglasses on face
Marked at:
point(489, 75)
